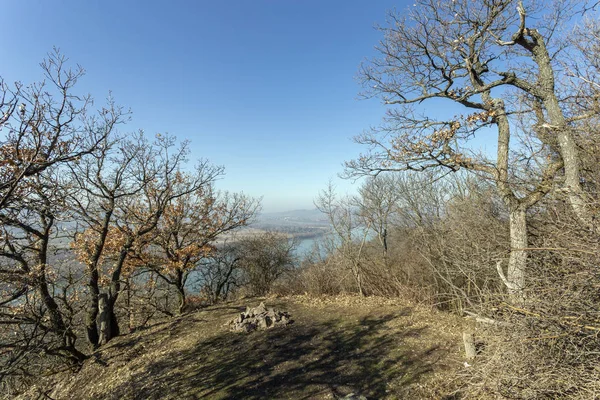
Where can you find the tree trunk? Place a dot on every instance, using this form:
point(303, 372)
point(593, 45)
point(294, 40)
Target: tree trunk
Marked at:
point(180, 292)
point(515, 280)
point(384, 244)
point(92, 312)
point(577, 197)
point(112, 330)
point(107, 320)
point(57, 322)
point(560, 128)
point(104, 319)
point(358, 277)
point(114, 323)
point(518, 255)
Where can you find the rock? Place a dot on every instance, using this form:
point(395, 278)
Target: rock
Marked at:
point(260, 309)
point(262, 323)
point(260, 317)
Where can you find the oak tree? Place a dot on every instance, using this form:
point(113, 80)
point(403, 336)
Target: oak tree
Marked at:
point(497, 63)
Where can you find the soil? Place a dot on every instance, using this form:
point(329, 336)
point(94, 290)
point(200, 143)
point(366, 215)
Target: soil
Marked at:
point(378, 348)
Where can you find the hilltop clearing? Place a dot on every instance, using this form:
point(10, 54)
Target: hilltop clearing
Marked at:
point(382, 349)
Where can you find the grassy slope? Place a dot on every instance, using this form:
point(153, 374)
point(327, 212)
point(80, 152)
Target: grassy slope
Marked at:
point(380, 348)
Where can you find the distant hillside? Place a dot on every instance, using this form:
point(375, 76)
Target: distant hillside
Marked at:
point(299, 223)
point(295, 217)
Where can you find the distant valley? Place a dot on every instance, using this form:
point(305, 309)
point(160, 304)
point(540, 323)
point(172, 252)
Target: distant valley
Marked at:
point(297, 223)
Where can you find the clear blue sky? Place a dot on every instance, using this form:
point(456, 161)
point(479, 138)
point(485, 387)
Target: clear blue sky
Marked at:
point(264, 87)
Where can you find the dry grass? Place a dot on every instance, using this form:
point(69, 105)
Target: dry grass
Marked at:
point(384, 349)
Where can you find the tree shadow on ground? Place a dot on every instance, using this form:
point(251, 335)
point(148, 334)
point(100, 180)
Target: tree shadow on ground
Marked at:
point(302, 361)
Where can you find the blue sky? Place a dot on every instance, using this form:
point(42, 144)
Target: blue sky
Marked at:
point(266, 88)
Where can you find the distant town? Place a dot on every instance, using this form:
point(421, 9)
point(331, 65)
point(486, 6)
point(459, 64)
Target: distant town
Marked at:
point(301, 224)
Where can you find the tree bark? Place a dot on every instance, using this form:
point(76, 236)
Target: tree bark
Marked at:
point(93, 282)
point(567, 146)
point(113, 329)
point(515, 280)
point(180, 291)
point(104, 319)
point(517, 261)
point(92, 312)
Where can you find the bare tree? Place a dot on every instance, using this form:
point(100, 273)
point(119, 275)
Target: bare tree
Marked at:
point(27, 230)
point(220, 272)
point(45, 123)
point(155, 180)
point(102, 180)
point(497, 60)
point(378, 204)
point(43, 127)
point(264, 258)
point(348, 235)
point(189, 229)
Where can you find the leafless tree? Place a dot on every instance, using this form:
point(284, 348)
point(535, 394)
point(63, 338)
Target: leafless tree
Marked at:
point(498, 61)
point(264, 258)
point(189, 229)
point(348, 234)
point(103, 181)
point(128, 198)
point(378, 204)
point(46, 123)
point(220, 272)
point(43, 127)
point(28, 227)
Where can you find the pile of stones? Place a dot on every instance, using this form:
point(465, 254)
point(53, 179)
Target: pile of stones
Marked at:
point(259, 318)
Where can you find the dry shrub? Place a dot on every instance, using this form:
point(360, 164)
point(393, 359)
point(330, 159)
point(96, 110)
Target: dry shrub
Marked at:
point(440, 247)
point(547, 345)
point(322, 278)
point(536, 357)
point(403, 272)
point(264, 259)
point(463, 247)
point(196, 302)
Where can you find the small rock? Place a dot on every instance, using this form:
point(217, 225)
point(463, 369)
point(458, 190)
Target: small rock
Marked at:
point(260, 309)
